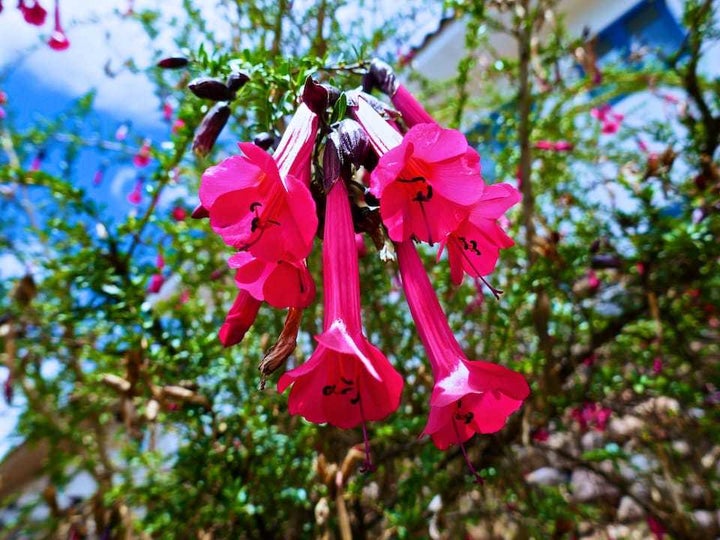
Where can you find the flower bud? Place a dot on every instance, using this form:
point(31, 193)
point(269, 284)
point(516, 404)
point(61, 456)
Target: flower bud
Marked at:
point(264, 140)
point(200, 212)
point(173, 62)
point(605, 260)
point(236, 81)
point(332, 161)
point(354, 143)
point(209, 88)
point(209, 129)
point(380, 75)
point(317, 96)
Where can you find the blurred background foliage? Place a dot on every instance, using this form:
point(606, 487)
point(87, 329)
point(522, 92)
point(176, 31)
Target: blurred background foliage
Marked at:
point(610, 307)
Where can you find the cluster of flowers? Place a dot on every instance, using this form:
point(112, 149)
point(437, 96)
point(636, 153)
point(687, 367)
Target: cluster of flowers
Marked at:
point(427, 184)
point(33, 13)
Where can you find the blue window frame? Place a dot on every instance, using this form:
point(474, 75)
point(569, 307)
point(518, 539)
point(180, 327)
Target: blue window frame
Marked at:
point(650, 25)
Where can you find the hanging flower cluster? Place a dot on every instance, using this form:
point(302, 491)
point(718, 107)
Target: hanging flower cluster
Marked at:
point(401, 178)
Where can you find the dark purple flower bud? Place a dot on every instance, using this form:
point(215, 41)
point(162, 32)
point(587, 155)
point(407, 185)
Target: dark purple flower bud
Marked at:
point(595, 246)
point(605, 260)
point(209, 88)
point(209, 129)
point(236, 81)
point(264, 140)
point(315, 96)
point(354, 144)
point(173, 62)
point(380, 75)
point(333, 94)
point(200, 212)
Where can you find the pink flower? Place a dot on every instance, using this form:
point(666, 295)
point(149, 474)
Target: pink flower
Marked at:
point(554, 146)
point(142, 158)
point(121, 132)
point(591, 415)
point(468, 396)
point(593, 281)
point(58, 40)
point(34, 14)
point(474, 246)
point(178, 126)
point(425, 181)
point(281, 283)
point(239, 319)
point(156, 283)
point(609, 120)
point(135, 196)
point(347, 381)
point(261, 203)
point(179, 213)
point(656, 527)
point(657, 365)
point(167, 109)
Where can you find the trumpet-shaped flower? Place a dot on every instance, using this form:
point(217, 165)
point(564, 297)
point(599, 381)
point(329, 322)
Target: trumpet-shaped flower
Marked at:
point(425, 181)
point(474, 246)
point(468, 396)
point(347, 381)
point(282, 283)
point(261, 203)
point(239, 319)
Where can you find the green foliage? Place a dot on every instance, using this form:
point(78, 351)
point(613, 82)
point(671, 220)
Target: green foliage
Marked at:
point(109, 377)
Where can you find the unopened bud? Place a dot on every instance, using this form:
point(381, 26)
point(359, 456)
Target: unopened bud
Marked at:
point(314, 96)
point(200, 212)
point(264, 140)
point(209, 88)
point(354, 142)
point(173, 62)
point(236, 81)
point(332, 162)
point(380, 75)
point(209, 129)
point(605, 260)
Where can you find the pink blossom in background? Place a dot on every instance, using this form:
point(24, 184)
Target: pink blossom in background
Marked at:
point(33, 13)
point(58, 39)
point(610, 120)
point(135, 196)
point(179, 213)
point(142, 157)
point(156, 283)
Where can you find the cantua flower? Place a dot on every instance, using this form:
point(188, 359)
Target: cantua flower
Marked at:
point(142, 157)
point(261, 203)
point(347, 381)
point(425, 181)
point(468, 396)
point(609, 119)
point(58, 40)
point(474, 246)
point(239, 319)
point(281, 283)
point(33, 14)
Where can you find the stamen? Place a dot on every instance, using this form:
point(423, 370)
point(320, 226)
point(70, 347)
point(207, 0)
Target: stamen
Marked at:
point(478, 478)
point(367, 466)
point(472, 246)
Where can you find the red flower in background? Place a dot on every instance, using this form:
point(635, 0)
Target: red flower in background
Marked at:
point(58, 40)
point(34, 13)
